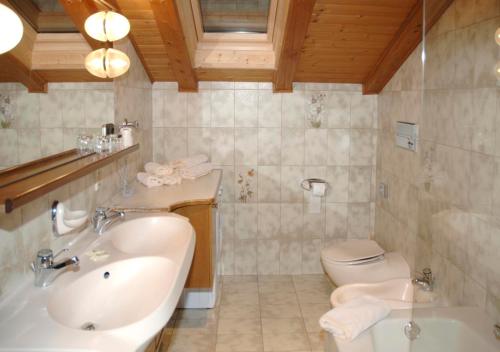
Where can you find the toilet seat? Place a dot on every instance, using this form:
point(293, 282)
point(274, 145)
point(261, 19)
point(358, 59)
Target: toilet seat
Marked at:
point(353, 252)
point(362, 261)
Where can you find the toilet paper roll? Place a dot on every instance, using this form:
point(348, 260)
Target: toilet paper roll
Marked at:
point(314, 206)
point(318, 189)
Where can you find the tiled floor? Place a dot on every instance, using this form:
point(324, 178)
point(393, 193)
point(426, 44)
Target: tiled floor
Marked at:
point(265, 313)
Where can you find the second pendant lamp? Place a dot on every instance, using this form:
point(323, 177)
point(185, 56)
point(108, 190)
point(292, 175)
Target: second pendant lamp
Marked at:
point(107, 26)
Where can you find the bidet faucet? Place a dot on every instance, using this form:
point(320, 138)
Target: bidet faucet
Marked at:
point(46, 270)
point(105, 217)
point(425, 281)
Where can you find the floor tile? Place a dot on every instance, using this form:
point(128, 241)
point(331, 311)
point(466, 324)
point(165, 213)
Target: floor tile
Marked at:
point(275, 278)
point(196, 326)
point(317, 340)
point(239, 343)
point(280, 311)
point(313, 296)
point(192, 343)
point(255, 314)
point(286, 342)
point(278, 298)
point(276, 286)
point(282, 325)
point(239, 287)
point(240, 311)
point(239, 326)
point(314, 310)
point(251, 298)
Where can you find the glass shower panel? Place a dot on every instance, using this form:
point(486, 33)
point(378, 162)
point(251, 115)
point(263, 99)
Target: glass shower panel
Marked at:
point(457, 181)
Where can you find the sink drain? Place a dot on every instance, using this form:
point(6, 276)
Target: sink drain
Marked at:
point(88, 326)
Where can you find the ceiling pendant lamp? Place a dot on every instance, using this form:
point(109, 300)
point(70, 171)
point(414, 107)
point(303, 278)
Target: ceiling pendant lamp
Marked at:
point(11, 29)
point(107, 63)
point(107, 26)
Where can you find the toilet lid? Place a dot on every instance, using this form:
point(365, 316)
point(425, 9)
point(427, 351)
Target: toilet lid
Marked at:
point(353, 251)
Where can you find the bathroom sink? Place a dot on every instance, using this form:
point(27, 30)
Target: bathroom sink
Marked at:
point(115, 302)
point(151, 235)
point(113, 295)
point(398, 293)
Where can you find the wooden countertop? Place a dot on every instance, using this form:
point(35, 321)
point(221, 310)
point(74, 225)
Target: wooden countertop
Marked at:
point(203, 190)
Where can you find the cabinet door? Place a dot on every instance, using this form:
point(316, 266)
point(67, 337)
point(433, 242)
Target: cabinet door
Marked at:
point(200, 274)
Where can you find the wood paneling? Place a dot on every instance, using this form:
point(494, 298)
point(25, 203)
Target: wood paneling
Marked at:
point(169, 25)
point(79, 11)
point(404, 42)
point(244, 75)
point(297, 23)
point(146, 38)
point(346, 38)
point(69, 75)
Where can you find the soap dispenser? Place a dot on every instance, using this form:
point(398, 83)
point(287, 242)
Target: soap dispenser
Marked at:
point(126, 131)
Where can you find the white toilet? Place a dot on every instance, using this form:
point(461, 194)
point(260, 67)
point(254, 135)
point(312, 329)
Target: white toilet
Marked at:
point(362, 261)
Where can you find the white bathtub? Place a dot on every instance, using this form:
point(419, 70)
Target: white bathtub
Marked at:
point(451, 329)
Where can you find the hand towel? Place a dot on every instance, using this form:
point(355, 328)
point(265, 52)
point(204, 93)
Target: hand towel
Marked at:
point(149, 180)
point(196, 171)
point(350, 319)
point(189, 162)
point(173, 179)
point(158, 169)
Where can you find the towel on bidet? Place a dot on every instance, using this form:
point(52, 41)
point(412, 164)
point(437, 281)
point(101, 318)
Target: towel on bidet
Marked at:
point(149, 180)
point(189, 162)
point(194, 172)
point(350, 319)
point(158, 169)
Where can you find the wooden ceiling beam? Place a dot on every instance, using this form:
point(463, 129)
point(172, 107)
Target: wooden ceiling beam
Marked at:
point(297, 22)
point(13, 70)
point(79, 11)
point(406, 39)
point(168, 21)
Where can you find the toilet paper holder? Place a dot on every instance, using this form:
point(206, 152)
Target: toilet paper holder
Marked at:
point(307, 183)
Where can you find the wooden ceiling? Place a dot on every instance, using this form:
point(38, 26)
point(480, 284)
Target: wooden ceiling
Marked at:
point(340, 41)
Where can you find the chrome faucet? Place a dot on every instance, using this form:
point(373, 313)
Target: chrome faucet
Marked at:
point(425, 281)
point(46, 270)
point(105, 217)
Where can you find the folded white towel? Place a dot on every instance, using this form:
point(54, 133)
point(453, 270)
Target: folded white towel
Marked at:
point(194, 172)
point(189, 162)
point(149, 180)
point(174, 179)
point(158, 169)
point(350, 319)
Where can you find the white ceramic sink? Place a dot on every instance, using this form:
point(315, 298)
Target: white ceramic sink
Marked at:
point(150, 235)
point(116, 303)
point(398, 293)
point(105, 299)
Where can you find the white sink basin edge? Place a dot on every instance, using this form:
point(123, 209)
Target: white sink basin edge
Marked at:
point(51, 319)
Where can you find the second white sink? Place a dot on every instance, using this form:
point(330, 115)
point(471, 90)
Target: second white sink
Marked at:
point(152, 235)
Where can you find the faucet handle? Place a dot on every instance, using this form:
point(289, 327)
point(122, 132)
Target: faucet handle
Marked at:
point(427, 274)
point(44, 259)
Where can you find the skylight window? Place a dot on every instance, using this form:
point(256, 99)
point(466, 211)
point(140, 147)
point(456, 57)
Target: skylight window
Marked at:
point(235, 16)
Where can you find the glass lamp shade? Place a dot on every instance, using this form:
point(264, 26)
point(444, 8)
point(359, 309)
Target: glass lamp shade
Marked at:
point(107, 26)
point(11, 29)
point(497, 36)
point(497, 70)
point(107, 63)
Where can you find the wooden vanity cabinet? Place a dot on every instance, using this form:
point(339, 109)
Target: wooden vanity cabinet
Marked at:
point(201, 274)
